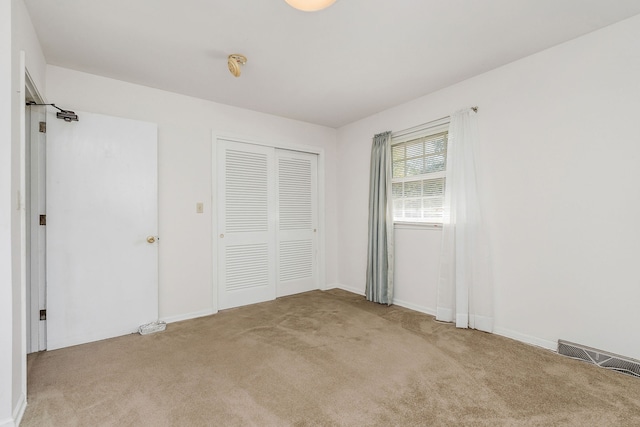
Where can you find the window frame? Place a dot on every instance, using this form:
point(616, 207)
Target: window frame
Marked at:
point(422, 131)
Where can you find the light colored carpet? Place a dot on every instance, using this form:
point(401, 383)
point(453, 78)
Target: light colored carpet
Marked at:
point(322, 358)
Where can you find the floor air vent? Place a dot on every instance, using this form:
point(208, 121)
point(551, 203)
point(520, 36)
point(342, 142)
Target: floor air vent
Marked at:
point(601, 358)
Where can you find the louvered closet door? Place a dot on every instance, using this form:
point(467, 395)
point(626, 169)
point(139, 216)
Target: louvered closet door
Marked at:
point(297, 207)
point(246, 215)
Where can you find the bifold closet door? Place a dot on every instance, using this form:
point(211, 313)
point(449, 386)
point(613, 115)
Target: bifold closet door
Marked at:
point(297, 224)
point(246, 224)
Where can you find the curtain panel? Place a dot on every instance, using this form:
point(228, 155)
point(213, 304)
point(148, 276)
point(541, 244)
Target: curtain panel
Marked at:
point(465, 287)
point(379, 285)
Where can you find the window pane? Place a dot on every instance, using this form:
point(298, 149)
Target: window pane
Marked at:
point(433, 187)
point(436, 145)
point(413, 189)
point(433, 208)
point(396, 190)
point(398, 211)
point(415, 149)
point(415, 166)
point(413, 208)
point(397, 152)
point(398, 169)
point(435, 163)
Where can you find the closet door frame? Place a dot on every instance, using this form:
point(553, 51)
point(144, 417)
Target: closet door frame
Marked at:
point(216, 138)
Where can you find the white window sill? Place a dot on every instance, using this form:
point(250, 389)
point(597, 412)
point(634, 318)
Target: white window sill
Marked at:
point(416, 226)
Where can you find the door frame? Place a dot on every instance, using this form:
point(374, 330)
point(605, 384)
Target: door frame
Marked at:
point(33, 189)
point(216, 137)
point(34, 330)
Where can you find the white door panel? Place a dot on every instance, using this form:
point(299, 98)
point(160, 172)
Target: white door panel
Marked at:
point(102, 274)
point(246, 224)
point(35, 174)
point(296, 234)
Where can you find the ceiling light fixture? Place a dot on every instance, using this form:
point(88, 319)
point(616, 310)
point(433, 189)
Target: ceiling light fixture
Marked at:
point(234, 62)
point(310, 5)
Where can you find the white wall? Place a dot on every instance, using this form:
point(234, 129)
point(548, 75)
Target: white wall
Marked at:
point(185, 128)
point(6, 280)
point(560, 183)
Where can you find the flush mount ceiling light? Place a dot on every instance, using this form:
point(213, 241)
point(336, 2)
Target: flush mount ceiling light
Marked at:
point(310, 5)
point(234, 62)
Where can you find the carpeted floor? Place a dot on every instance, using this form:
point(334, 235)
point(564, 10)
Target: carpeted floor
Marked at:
point(322, 358)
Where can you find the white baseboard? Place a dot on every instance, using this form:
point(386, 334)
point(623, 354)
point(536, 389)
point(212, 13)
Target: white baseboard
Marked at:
point(347, 288)
point(401, 303)
point(18, 413)
point(415, 307)
point(527, 339)
point(328, 286)
point(188, 316)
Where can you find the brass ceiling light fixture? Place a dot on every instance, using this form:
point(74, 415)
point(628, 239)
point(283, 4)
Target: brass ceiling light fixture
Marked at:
point(310, 5)
point(234, 62)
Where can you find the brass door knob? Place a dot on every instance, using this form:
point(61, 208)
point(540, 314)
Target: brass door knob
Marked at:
point(151, 239)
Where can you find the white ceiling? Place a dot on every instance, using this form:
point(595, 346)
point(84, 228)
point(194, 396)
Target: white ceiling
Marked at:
point(333, 67)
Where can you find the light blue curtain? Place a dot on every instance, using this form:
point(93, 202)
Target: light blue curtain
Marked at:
point(380, 249)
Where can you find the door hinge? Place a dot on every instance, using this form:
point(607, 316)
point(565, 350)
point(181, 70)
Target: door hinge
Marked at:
point(43, 127)
point(43, 220)
point(43, 314)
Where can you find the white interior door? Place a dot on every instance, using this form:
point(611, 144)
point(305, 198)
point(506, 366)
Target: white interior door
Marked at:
point(35, 205)
point(102, 273)
point(246, 224)
point(297, 224)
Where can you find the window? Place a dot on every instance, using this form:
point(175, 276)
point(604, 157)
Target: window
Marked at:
point(418, 177)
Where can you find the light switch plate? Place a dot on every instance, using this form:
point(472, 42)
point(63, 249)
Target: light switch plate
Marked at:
point(199, 207)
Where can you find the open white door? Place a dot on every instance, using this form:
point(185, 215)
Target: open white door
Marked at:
point(35, 205)
point(246, 224)
point(102, 224)
point(296, 236)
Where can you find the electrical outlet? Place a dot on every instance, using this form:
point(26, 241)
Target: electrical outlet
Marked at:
point(199, 207)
